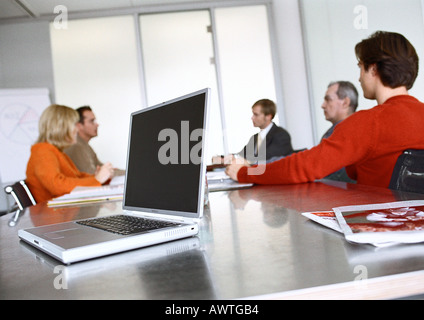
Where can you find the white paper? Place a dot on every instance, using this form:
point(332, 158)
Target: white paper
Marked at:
point(90, 194)
point(325, 218)
point(217, 175)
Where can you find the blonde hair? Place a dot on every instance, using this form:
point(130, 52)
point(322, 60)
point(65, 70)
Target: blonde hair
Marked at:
point(56, 125)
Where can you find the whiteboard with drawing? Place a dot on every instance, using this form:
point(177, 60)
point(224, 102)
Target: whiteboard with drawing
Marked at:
point(20, 110)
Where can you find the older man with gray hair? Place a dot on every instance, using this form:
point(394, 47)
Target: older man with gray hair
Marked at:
point(340, 101)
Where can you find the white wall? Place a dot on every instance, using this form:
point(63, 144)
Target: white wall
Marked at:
point(25, 62)
point(334, 27)
point(109, 83)
point(293, 72)
point(28, 61)
point(25, 54)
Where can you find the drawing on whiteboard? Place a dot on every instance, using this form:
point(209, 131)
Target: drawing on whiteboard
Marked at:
point(19, 123)
point(20, 110)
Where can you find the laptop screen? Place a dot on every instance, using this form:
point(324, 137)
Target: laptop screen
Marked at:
point(165, 170)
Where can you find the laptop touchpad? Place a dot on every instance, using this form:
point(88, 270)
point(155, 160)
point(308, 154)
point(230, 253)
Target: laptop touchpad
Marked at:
point(63, 233)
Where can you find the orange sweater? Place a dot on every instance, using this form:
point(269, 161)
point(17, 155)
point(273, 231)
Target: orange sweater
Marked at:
point(367, 143)
point(51, 173)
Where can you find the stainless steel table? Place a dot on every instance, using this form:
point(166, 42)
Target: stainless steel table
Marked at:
point(253, 243)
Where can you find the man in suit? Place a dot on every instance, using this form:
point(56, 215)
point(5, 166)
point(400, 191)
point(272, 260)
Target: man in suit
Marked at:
point(271, 142)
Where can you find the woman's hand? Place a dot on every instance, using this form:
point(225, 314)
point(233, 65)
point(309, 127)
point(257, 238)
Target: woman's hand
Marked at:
point(104, 173)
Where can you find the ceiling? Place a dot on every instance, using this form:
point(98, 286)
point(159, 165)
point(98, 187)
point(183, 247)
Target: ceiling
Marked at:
point(30, 9)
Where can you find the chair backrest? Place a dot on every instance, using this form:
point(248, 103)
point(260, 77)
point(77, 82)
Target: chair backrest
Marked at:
point(408, 174)
point(21, 193)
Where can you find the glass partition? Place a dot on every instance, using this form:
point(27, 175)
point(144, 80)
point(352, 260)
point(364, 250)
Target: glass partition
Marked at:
point(121, 64)
point(95, 63)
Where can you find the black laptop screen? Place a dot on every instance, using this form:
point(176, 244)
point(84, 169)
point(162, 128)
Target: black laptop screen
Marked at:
point(164, 164)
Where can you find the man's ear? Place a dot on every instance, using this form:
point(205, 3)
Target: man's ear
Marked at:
point(268, 117)
point(373, 69)
point(346, 102)
point(79, 125)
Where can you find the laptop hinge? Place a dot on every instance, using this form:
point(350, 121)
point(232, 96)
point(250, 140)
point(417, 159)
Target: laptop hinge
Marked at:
point(164, 217)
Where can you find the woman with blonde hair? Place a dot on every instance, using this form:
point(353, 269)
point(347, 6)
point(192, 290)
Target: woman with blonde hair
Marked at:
point(50, 172)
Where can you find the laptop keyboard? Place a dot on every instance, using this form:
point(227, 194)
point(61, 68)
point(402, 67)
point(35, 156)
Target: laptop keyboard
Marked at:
point(125, 225)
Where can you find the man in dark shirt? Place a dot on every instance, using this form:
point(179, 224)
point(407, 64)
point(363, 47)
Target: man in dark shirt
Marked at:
point(340, 101)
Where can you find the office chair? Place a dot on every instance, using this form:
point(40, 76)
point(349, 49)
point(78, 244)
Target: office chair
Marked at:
point(408, 174)
point(22, 195)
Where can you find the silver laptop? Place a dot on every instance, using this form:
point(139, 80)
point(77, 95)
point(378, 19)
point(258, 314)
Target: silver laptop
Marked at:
point(164, 184)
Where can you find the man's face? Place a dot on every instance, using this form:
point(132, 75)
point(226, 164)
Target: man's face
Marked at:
point(88, 127)
point(333, 105)
point(259, 119)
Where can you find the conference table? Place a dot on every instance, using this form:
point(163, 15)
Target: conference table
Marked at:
point(253, 243)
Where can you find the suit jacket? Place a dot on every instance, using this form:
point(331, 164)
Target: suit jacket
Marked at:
point(277, 144)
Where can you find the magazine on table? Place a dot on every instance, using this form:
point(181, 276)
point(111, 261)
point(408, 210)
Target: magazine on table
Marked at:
point(394, 222)
point(326, 218)
point(380, 225)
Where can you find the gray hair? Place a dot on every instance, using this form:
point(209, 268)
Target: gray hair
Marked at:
point(347, 89)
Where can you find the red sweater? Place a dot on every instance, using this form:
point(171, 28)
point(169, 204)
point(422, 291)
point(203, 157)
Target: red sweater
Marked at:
point(367, 143)
point(51, 173)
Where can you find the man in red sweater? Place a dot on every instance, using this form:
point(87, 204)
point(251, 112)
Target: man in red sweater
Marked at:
point(369, 142)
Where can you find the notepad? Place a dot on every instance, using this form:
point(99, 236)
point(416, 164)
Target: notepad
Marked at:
point(89, 194)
